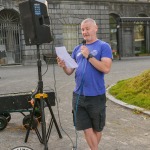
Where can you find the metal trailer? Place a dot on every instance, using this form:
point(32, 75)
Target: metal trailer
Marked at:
point(21, 102)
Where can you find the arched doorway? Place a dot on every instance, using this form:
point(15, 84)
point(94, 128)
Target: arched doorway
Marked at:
point(113, 32)
point(10, 36)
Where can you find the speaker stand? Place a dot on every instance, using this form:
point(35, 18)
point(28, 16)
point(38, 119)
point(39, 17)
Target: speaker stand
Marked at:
point(42, 99)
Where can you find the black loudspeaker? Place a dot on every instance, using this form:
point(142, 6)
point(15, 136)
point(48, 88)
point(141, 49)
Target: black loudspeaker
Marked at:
point(35, 22)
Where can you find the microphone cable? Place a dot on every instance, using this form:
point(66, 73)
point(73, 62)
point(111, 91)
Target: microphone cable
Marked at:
point(57, 96)
point(58, 107)
point(80, 90)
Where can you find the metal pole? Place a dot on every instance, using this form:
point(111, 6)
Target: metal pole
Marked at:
point(40, 90)
point(118, 38)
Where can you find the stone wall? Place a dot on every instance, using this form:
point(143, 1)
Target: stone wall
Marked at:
point(73, 12)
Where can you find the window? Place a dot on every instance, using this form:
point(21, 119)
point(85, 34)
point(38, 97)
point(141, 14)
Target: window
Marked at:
point(139, 31)
point(140, 37)
point(113, 30)
point(70, 36)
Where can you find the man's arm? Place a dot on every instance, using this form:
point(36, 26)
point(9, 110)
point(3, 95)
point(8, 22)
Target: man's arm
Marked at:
point(62, 64)
point(104, 65)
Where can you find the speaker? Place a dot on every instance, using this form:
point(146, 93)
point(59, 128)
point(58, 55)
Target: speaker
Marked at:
point(35, 22)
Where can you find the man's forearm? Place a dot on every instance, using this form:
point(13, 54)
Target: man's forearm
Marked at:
point(68, 71)
point(103, 65)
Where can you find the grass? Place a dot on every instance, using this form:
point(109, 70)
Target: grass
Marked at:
point(134, 91)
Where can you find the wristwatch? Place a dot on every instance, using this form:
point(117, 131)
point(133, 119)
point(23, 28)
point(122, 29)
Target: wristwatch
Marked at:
point(89, 56)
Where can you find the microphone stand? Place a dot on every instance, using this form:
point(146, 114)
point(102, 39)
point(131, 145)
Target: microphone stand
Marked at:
point(42, 97)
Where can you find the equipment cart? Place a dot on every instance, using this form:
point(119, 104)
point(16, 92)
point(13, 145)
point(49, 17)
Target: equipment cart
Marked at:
point(20, 102)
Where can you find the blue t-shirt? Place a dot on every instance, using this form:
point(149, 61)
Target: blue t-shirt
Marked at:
point(90, 81)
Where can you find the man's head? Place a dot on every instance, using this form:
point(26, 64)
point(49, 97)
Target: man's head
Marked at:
point(89, 30)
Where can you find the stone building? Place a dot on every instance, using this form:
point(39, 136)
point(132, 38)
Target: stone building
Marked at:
point(130, 39)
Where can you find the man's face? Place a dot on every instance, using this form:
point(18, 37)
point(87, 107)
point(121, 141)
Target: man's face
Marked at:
point(89, 30)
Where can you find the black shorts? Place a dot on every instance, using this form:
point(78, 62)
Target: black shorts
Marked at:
point(89, 112)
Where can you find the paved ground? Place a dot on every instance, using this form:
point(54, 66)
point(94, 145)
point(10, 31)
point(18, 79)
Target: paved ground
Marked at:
point(124, 129)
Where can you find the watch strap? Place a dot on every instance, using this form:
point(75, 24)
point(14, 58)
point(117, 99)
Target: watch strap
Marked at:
point(89, 56)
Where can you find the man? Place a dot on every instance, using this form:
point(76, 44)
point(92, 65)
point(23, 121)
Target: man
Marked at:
point(94, 59)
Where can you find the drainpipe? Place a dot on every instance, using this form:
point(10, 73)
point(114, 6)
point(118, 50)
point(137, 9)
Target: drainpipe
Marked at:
point(148, 37)
point(118, 38)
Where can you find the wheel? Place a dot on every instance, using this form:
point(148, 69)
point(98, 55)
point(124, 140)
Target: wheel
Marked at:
point(6, 115)
point(37, 115)
point(26, 122)
point(3, 122)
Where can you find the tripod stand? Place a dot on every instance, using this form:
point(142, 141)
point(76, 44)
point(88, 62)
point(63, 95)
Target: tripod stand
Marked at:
point(42, 98)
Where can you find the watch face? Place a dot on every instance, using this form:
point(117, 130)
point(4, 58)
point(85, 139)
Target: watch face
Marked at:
point(90, 55)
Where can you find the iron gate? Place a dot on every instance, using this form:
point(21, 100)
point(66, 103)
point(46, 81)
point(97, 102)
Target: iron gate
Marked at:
point(10, 51)
point(10, 42)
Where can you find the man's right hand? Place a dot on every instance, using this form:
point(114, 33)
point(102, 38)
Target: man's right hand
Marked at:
point(61, 62)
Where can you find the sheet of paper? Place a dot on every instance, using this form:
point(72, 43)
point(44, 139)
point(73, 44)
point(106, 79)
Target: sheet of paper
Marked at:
point(64, 55)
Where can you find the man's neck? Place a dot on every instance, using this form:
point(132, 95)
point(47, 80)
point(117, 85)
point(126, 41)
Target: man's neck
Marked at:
point(91, 41)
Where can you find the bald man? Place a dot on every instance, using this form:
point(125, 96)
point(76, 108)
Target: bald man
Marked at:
point(94, 59)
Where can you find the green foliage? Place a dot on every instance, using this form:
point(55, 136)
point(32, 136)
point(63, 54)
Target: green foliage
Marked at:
point(134, 91)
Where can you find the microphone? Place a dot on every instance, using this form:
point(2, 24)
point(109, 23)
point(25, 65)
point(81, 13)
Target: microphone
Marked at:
point(84, 42)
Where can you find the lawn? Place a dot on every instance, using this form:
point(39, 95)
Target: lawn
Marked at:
point(134, 91)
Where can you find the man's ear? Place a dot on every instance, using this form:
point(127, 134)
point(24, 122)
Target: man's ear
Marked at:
point(96, 28)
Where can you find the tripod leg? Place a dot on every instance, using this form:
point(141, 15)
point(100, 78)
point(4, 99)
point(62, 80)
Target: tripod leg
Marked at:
point(30, 124)
point(53, 117)
point(43, 124)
